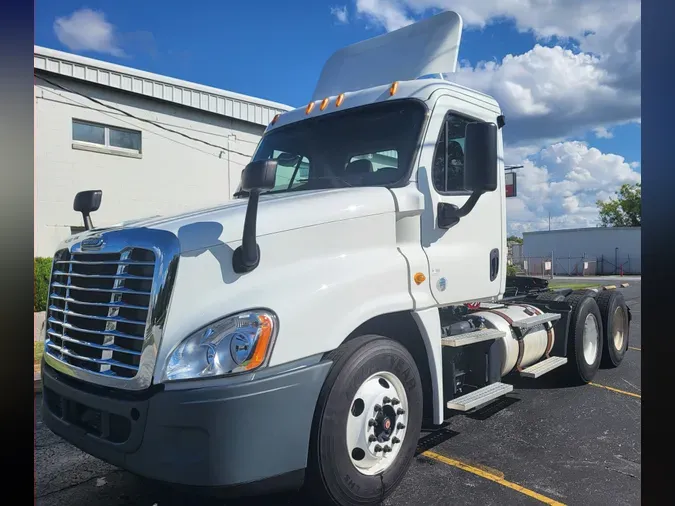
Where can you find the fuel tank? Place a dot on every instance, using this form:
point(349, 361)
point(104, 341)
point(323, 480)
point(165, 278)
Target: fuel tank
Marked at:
point(535, 343)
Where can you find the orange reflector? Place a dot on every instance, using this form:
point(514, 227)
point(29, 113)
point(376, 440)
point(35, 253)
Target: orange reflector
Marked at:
point(310, 106)
point(324, 103)
point(393, 88)
point(340, 99)
point(274, 120)
point(263, 343)
point(419, 278)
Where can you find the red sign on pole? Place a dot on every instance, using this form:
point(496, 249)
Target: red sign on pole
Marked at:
point(511, 190)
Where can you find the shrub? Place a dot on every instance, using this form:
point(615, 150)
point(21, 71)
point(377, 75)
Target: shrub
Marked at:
point(511, 270)
point(38, 351)
point(41, 271)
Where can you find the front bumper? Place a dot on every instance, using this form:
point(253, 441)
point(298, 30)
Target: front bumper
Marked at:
point(208, 434)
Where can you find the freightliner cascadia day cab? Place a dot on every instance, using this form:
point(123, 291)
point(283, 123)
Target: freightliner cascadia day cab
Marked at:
point(356, 288)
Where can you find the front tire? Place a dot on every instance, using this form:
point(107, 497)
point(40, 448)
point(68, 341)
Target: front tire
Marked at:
point(371, 399)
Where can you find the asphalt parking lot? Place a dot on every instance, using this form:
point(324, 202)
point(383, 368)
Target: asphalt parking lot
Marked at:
point(541, 444)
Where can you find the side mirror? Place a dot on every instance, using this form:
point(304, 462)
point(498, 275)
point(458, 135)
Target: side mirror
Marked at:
point(256, 177)
point(260, 175)
point(480, 157)
point(480, 171)
point(86, 202)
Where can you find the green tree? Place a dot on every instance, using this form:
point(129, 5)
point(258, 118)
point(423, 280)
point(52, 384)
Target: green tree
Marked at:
point(515, 238)
point(623, 211)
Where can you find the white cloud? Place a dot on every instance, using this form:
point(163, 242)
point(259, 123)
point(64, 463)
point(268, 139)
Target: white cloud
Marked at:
point(565, 182)
point(561, 18)
point(88, 30)
point(551, 93)
point(547, 93)
point(341, 14)
point(603, 133)
point(390, 14)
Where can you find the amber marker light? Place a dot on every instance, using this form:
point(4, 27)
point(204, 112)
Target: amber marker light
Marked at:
point(340, 99)
point(274, 120)
point(310, 107)
point(419, 278)
point(262, 344)
point(324, 104)
point(394, 88)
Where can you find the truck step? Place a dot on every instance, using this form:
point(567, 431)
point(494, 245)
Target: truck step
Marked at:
point(479, 397)
point(536, 320)
point(491, 305)
point(476, 336)
point(541, 368)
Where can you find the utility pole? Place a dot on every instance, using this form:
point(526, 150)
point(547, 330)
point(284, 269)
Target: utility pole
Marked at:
point(549, 221)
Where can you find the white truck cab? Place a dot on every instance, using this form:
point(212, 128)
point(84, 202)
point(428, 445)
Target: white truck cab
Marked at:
point(302, 333)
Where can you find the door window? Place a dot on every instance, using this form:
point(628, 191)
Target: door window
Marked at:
point(448, 169)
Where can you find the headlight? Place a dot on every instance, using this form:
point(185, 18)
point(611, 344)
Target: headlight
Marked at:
point(238, 343)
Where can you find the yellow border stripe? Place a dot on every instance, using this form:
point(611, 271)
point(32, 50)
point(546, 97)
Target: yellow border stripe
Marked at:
point(492, 477)
point(634, 348)
point(616, 390)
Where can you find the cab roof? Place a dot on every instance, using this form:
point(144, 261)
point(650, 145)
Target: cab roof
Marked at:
point(420, 89)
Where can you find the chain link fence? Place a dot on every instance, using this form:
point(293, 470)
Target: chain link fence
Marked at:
point(552, 265)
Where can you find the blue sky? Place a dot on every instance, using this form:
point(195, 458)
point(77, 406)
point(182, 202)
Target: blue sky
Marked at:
point(570, 96)
point(277, 56)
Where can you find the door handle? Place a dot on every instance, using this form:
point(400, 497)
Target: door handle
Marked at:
point(494, 264)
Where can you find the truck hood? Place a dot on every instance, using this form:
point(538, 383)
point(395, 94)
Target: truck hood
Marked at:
point(276, 213)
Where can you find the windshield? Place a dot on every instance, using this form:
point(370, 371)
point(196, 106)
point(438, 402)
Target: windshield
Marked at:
point(372, 145)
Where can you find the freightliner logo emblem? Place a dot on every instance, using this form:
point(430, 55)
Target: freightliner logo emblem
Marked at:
point(95, 242)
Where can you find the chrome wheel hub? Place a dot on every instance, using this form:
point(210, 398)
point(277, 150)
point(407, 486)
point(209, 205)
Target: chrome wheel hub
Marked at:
point(591, 339)
point(376, 423)
point(618, 323)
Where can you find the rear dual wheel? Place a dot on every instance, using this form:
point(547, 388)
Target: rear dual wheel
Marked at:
point(366, 425)
point(585, 339)
point(616, 327)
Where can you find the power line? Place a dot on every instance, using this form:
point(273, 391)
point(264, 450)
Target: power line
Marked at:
point(80, 104)
point(121, 111)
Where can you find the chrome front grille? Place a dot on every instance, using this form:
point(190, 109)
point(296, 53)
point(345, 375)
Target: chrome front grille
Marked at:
point(98, 310)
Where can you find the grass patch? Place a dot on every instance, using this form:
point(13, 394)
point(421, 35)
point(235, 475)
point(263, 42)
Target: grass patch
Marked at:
point(38, 351)
point(576, 286)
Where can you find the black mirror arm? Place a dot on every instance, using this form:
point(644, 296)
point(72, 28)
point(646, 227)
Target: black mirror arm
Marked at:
point(449, 214)
point(247, 256)
point(468, 205)
point(88, 225)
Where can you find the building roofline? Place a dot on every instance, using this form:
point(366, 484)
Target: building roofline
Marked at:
point(586, 229)
point(168, 89)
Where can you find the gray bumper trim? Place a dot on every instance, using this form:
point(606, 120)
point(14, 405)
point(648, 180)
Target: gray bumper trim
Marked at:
point(207, 436)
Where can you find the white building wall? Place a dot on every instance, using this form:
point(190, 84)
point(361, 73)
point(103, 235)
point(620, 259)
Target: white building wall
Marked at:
point(173, 174)
point(604, 245)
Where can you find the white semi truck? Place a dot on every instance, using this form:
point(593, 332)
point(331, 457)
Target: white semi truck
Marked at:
point(303, 332)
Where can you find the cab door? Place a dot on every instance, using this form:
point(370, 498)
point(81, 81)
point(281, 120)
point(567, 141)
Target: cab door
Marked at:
point(467, 260)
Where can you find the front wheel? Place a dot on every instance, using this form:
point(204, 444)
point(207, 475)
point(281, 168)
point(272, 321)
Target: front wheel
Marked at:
point(366, 425)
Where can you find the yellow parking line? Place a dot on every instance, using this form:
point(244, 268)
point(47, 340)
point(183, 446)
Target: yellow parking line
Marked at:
point(634, 348)
point(492, 477)
point(616, 390)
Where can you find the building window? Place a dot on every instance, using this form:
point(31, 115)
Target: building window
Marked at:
point(105, 138)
